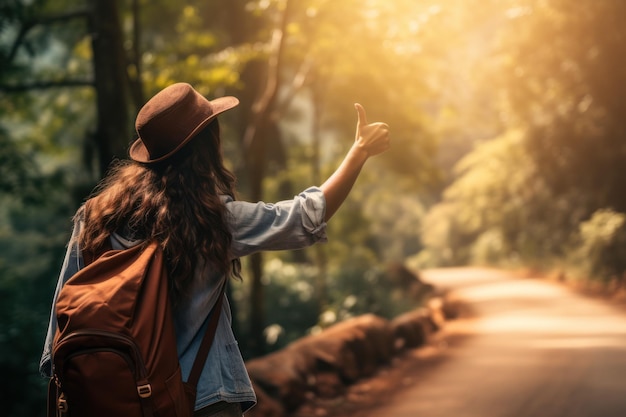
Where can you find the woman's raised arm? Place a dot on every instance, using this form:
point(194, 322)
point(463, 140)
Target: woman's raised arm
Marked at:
point(371, 139)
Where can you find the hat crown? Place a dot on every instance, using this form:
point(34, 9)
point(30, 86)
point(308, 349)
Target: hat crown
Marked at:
point(172, 118)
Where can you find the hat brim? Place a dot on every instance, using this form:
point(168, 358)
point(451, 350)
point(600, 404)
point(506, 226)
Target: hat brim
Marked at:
point(138, 151)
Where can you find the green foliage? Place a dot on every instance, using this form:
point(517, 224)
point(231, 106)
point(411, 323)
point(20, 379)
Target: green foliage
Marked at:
point(29, 266)
point(601, 246)
point(34, 227)
point(358, 290)
point(497, 203)
point(500, 210)
point(523, 196)
point(395, 213)
point(296, 305)
point(292, 306)
point(569, 93)
point(189, 43)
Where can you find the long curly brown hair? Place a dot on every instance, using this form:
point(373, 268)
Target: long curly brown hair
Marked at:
point(177, 203)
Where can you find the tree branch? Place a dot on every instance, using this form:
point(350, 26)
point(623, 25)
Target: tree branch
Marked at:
point(263, 104)
point(44, 85)
point(47, 20)
point(301, 79)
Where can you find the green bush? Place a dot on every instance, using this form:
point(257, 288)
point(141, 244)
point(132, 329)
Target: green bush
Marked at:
point(601, 249)
point(298, 302)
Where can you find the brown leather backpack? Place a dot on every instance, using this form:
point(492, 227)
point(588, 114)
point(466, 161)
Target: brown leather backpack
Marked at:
point(114, 353)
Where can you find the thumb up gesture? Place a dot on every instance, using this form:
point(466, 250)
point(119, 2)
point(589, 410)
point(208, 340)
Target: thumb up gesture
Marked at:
point(373, 138)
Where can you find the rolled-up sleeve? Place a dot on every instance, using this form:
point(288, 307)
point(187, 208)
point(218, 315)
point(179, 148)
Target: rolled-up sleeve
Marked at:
point(289, 224)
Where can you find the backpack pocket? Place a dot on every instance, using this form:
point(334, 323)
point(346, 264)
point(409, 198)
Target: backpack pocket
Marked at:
point(103, 381)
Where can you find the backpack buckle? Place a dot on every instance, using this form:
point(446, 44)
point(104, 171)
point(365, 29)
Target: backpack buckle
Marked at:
point(144, 391)
point(62, 404)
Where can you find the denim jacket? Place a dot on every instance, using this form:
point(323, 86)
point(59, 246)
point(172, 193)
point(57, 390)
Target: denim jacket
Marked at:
point(290, 224)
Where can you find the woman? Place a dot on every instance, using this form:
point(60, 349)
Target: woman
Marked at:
point(176, 190)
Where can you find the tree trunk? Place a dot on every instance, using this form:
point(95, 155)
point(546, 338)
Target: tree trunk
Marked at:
point(321, 259)
point(111, 83)
point(260, 135)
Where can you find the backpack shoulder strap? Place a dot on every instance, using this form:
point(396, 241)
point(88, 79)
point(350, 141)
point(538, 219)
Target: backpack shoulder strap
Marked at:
point(207, 340)
point(90, 256)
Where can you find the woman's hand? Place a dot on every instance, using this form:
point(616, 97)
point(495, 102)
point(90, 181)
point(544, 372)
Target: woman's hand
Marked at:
point(372, 138)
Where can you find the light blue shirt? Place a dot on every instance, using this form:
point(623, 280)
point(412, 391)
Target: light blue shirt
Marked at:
point(290, 224)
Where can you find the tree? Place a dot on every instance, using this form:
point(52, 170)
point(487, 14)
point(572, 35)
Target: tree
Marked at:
point(557, 160)
point(111, 82)
point(101, 22)
point(570, 93)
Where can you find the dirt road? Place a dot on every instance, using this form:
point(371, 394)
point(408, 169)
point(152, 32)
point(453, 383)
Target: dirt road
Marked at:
point(531, 348)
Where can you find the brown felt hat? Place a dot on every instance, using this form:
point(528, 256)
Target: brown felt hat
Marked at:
point(172, 118)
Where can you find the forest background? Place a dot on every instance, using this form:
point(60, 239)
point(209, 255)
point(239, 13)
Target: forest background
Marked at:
point(508, 120)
